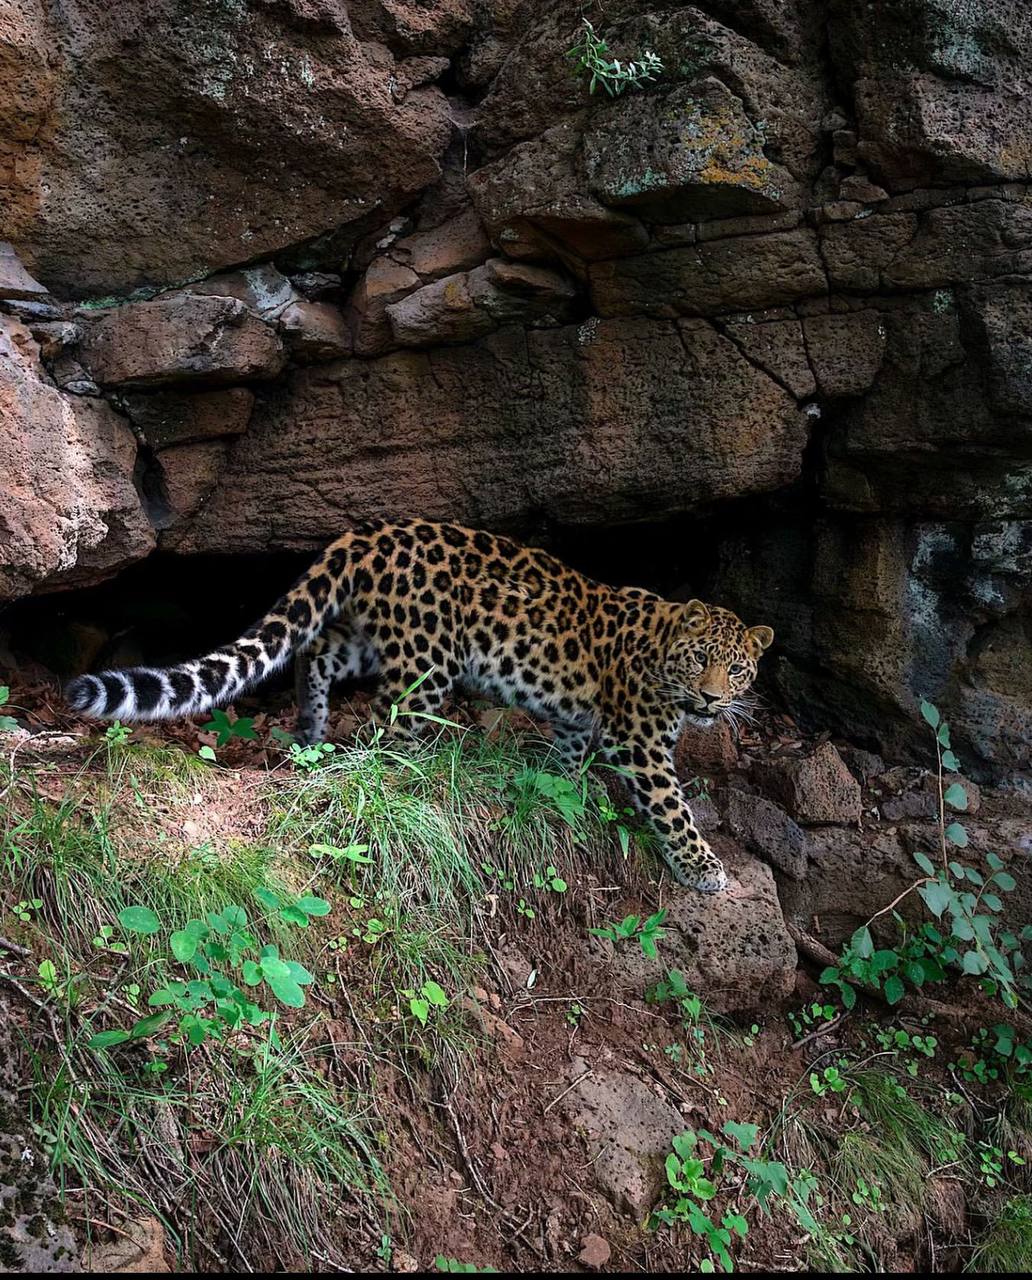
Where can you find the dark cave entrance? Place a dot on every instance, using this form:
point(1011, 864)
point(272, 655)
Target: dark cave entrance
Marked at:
point(170, 607)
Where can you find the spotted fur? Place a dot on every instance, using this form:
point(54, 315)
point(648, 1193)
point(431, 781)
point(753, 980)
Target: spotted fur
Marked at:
point(466, 609)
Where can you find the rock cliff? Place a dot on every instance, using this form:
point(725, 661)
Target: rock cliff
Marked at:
point(273, 265)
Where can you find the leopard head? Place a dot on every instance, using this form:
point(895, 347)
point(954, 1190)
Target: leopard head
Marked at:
point(711, 662)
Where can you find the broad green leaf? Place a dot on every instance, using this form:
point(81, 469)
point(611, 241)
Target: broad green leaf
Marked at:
point(930, 713)
point(267, 898)
point(744, 1134)
point(420, 1009)
point(352, 852)
point(937, 896)
point(950, 761)
point(956, 797)
point(925, 863)
point(944, 734)
point(147, 1026)
point(956, 834)
point(207, 753)
point(139, 920)
point(286, 991)
point(893, 989)
point(183, 944)
point(314, 906)
point(862, 943)
point(974, 962)
point(107, 1039)
point(434, 993)
point(1005, 881)
point(995, 862)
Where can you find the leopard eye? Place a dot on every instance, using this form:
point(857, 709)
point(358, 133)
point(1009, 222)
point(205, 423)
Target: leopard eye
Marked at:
point(701, 656)
point(736, 669)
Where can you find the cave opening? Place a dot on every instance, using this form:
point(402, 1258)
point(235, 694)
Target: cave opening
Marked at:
point(171, 607)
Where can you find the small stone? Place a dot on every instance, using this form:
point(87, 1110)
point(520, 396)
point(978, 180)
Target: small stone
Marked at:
point(857, 187)
point(595, 1252)
point(316, 284)
point(54, 335)
point(701, 749)
point(813, 789)
point(766, 829)
point(181, 338)
point(315, 331)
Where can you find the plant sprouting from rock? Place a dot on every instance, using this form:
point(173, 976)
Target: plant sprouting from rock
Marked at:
point(592, 56)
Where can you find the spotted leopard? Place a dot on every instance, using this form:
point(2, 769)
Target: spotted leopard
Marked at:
point(470, 610)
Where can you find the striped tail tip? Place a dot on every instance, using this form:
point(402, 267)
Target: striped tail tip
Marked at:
point(86, 695)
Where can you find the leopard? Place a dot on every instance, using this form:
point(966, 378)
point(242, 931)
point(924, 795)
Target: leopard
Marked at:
point(433, 609)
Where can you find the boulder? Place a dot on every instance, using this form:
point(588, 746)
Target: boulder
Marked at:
point(183, 417)
point(535, 204)
point(69, 511)
point(629, 1131)
point(314, 331)
point(467, 306)
point(701, 749)
point(687, 153)
point(766, 830)
point(815, 788)
point(385, 281)
point(732, 948)
point(583, 423)
point(457, 244)
point(179, 338)
point(939, 89)
point(281, 110)
point(712, 278)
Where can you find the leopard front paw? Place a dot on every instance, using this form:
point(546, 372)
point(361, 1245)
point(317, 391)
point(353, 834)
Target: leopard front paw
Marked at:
point(704, 872)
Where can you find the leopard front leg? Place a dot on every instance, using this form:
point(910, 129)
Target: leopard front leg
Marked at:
point(649, 773)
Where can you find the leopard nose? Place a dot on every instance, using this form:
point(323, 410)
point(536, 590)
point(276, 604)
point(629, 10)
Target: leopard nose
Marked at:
point(710, 699)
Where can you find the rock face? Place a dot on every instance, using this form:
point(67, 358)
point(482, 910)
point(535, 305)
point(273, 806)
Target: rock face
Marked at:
point(794, 268)
point(70, 512)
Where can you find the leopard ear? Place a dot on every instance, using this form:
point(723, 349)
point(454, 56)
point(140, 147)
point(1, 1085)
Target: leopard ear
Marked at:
point(759, 638)
point(696, 617)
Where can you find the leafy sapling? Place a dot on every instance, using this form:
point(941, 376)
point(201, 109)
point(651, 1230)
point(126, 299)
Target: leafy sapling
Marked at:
point(591, 56)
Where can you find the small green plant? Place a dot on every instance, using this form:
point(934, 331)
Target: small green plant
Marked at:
point(223, 952)
point(868, 1195)
point(551, 879)
point(829, 1080)
point(811, 1017)
point(226, 729)
point(23, 910)
point(648, 931)
point(965, 902)
point(673, 989)
point(7, 723)
point(697, 1181)
point(117, 733)
point(385, 1250)
point(355, 854)
point(104, 940)
point(430, 998)
point(592, 57)
point(991, 1161)
point(455, 1267)
point(308, 759)
point(574, 1014)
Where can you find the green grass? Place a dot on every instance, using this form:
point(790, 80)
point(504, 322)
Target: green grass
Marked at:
point(250, 1157)
point(1005, 1247)
point(431, 819)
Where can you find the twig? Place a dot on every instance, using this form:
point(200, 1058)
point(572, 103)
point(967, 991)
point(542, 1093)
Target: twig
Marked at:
point(14, 947)
point(559, 1097)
